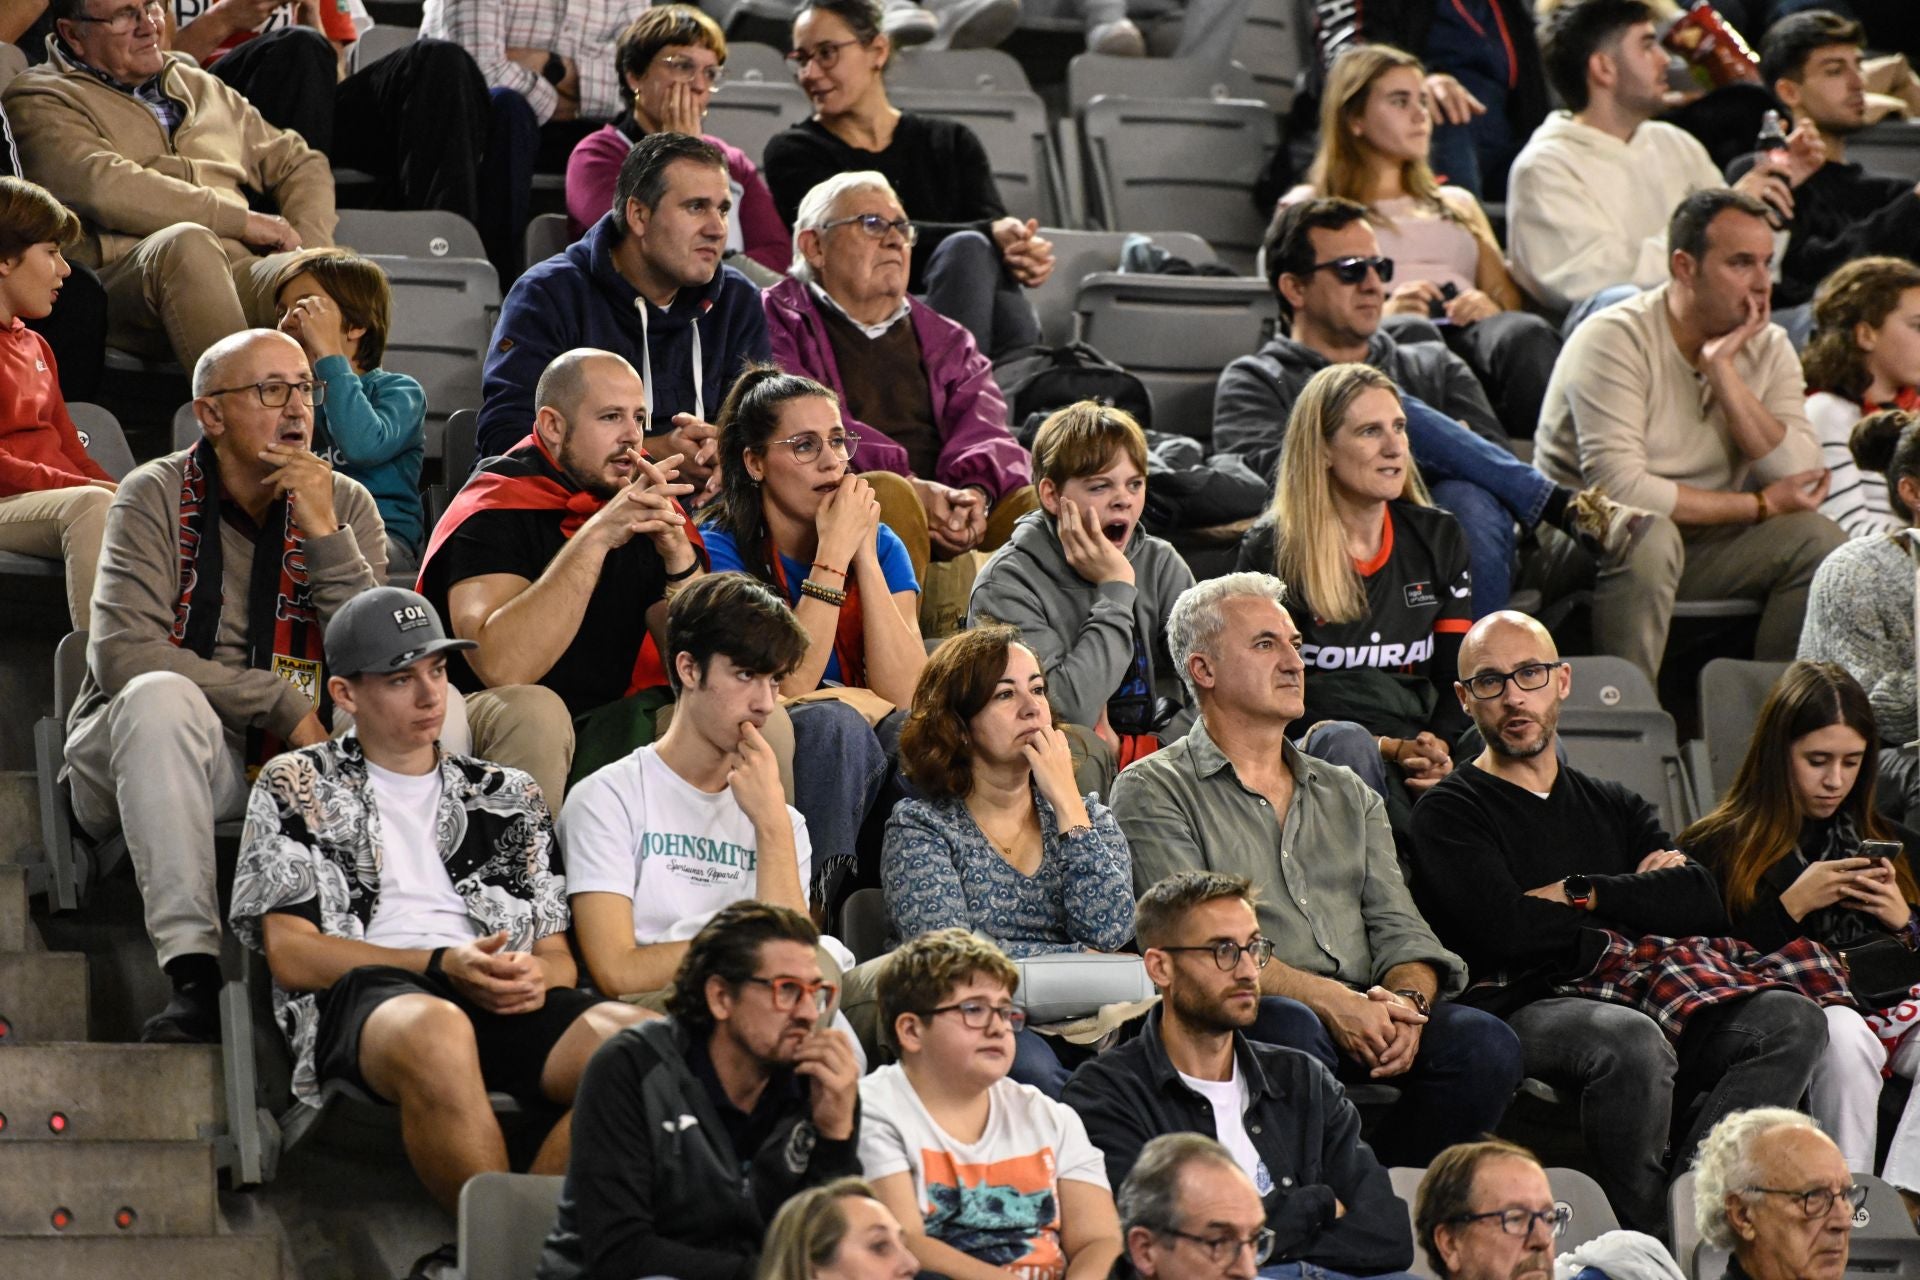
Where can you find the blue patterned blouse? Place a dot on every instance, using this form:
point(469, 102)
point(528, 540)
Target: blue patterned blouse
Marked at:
point(939, 871)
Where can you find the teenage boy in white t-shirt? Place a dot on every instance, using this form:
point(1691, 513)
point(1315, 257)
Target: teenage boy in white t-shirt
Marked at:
point(985, 1175)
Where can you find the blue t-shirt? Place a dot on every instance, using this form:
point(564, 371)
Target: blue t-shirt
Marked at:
point(895, 564)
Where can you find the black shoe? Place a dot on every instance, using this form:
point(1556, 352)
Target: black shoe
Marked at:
point(441, 1264)
point(191, 1017)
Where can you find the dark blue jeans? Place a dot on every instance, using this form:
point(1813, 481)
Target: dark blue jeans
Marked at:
point(1461, 1080)
point(838, 767)
point(1485, 487)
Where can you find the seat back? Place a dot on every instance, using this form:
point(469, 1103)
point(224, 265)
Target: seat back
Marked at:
point(462, 446)
point(962, 70)
point(1128, 319)
point(105, 442)
point(1190, 163)
point(1891, 147)
point(69, 668)
point(13, 60)
point(1406, 1185)
point(504, 1221)
point(1732, 691)
point(408, 233)
point(1635, 747)
point(1592, 1215)
point(1079, 254)
point(377, 41)
point(547, 234)
point(747, 113)
point(1603, 681)
point(1090, 75)
point(1013, 128)
point(443, 315)
point(186, 427)
point(1273, 45)
point(751, 62)
point(864, 925)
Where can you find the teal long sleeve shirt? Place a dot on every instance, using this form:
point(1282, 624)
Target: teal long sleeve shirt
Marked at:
point(373, 428)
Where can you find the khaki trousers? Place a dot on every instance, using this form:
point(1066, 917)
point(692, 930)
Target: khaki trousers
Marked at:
point(64, 524)
point(182, 289)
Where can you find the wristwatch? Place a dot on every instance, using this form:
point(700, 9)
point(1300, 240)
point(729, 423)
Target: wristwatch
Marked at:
point(1419, 998)
point(1579, 891)
point(555, 69)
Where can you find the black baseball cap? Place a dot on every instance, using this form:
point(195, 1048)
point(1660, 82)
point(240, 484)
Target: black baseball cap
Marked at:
point(385, 629)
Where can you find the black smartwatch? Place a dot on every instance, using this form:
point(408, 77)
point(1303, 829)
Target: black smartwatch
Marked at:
point(1579, 891)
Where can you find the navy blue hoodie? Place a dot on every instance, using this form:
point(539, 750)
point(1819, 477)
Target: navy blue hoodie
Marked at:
point(577, 299)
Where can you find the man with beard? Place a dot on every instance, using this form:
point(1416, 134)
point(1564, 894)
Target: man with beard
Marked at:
point(1484, 1211)
point(1522, 861)
point(1280, 1113)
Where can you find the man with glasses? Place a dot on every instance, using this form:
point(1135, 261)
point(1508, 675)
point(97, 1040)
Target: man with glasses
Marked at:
point(220, 568)
point(985, 1175)
point(1324, 264)
point(160, 160)
point(1357, 977)
point(1280, 1116)
point(1773, 1190)
point(912, 383)
point(690, 1131)
point(1521, 861)
point(1189, 1212)
point(1484, 1211)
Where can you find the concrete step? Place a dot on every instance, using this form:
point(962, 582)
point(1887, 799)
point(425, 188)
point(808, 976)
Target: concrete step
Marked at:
point(14, 925)
point(19, 813)
point(110, 1092)
point(194, 1258)
point(106, 1189)
point(43, 997)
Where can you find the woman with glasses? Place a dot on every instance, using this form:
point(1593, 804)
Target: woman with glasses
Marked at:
point(672, 59)
point(791, 513)
point(1375, 127)
point(1000, 840)
point(972, 259)
point(1790, 845)
point(1772, 1190)
point(1379, 584)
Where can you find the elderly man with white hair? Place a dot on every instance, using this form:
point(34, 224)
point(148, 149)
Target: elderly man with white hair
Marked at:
point(219, 569)
point(919, 395)
point(1775, 1191)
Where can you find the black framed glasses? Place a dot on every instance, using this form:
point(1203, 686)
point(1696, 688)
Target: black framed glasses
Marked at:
point(274, 395)
point(826, 53)
point(1222, 1250)
point(122, 21)
point(1491, 684)
point(1817, 1202)
point(682, 68)
point(1353, 270)
point(877, 227)
point(1227, 954)
point(1520, 1222)
point(978, 1015)
point(806, 447)
point(787, 992)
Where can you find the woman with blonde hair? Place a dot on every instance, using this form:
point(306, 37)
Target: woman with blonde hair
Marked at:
point(839, 1231)
point(1863, 357)
point(1376, 577)
point(1375, 128)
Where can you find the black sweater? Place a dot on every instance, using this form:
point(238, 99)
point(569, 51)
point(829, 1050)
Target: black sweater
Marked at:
point(937, 167)
point(1766, 924)
point(1481, 843)
point(1841, 213)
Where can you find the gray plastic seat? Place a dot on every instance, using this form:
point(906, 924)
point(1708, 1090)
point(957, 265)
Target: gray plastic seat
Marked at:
point(462, 447)
point(1603, 681)
point(1175, 333)
point(547, 234)
point(1891, 147)
point(747, 113)
point(1092, 75)
point(443, 315)
point(1013, 129)
point(1274, 46)
point(504, 1221)
point(751, 62)
point(968, 70)
point(1079, 254)
point(13, 60)
point(1635, 747)
point(1732, 691)
point(106, 444)
point(408, 233)
point(377, 41)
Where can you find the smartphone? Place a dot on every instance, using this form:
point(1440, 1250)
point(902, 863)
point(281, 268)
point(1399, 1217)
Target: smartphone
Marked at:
point(1879, 851)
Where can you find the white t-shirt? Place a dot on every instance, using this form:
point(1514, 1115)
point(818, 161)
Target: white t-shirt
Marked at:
point(638, 829)
point(997, 1199)
point(1229, 1100)
point(417, 907)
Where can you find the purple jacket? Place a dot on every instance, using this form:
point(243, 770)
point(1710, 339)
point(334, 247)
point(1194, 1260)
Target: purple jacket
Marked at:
point(975, 446)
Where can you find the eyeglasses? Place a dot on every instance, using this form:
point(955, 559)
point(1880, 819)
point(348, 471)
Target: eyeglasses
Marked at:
point(1224, 1249)
point(122, 21)
point(787, 993)
point(826, 53)
point(1227, 954)
point(1519, 1222)
point(1818, 1202)
point(681, 68)
point(877, 227)
point(978, 1015)
point(1354, 270)
point(807, 447)
point(274, 395)
point(1491, 684)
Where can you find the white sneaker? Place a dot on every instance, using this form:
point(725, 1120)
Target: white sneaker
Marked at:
point(1118, 39)
point(907, 23)
point(975, 24)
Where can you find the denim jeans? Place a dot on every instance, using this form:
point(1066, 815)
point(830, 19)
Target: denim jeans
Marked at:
point(838, 767)
point(1459, 1086)
point(967, 284)
point(1485, 487)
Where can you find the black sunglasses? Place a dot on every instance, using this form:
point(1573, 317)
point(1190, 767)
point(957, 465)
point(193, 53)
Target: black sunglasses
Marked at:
point(1353, 270)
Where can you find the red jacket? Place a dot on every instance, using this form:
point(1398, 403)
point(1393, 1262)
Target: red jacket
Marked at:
point(39, 448)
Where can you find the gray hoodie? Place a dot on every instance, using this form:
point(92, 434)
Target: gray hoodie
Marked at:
point(1084, 634)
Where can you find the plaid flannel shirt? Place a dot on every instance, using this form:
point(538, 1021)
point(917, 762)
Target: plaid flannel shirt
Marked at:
point(1671, 979)
point(582, 30)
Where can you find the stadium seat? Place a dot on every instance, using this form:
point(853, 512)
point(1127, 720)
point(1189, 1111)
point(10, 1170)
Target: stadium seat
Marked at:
point(106, 444)
point(1190, 163)
point(1273, 45)
point(750, 62)
point(72, 862)
point(1732, 691)
point(1890, 148)
point(376, 42)
point(1094, 75)
point(547, 234)
point(13, 60)
point(462, 448)
point(864, 926)
point(1079, 254)
point(443, 315)
point(410, 233)
point(1636, 747)
point(504, 1221)
point(1406, 1185)
point(1013, 128)
point(186, 427)
point(1129, 319)
point(965, 70)
point(1601, 682)
point(747, 113)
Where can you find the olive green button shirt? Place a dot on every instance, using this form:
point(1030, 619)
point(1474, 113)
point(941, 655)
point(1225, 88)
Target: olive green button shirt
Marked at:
point(1331, 898)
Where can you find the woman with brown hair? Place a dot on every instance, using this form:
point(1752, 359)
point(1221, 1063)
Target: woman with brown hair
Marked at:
point(839, 1231)
point(1786, 845)
point(1863, 357)
point(53, 497)
point(1375, 128)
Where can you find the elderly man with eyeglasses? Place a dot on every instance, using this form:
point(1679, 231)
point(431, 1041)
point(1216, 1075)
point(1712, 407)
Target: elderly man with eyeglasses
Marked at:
point(161, 160)
point(912, 384)
point(220, 568)
point(1281, 1118)
point(1775, 1191)
point(1521, 862)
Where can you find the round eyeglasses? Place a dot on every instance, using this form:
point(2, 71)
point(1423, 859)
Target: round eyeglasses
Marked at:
point(977, 1015)
point(877, 227)
point(1490, 684)
point(682, 68)
point(1817, 1202)
point(787, 993)
point(806, 447)
point(826, 53)
point(1227, 954)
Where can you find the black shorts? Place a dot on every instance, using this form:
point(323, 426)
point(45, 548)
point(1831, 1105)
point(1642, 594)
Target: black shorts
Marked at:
point(513, 1047)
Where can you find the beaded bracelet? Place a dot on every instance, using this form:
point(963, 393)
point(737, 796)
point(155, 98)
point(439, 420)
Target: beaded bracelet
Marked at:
point(820, 591)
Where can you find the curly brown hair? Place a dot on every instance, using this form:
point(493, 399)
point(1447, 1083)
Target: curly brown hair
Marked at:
point(1864, 291)
point(955, 684)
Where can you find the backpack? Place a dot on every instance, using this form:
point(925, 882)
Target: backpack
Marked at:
point(1055, 377)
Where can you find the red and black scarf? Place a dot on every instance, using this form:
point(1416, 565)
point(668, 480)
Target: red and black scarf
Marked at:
point(849, 633)
point(283, 626)
point(533, 487)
